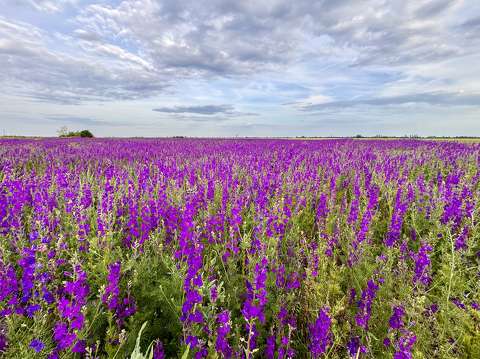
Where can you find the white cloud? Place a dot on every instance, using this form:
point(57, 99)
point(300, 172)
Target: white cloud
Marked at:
point(253, 55)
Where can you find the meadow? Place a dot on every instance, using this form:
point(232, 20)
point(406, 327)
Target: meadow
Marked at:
point(194, 248)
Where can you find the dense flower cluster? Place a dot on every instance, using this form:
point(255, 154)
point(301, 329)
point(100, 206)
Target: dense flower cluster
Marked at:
point(121, 307)
point(320, 335)
point(422, 262)
point(224, 328)
point(365, 304)
point(239, 248)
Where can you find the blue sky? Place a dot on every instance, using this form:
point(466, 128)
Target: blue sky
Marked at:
point(247, 68)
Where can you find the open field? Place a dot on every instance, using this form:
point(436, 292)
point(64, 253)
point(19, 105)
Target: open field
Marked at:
point(239, 248)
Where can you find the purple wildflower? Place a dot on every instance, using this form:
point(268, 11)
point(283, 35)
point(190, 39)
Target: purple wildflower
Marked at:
point(458, 303)
point(63, 336)
point(365, 304)
point(355, 347)
point(320, 334)
point(422, 262)
point(221, 345)
point(270, 347)
point(3, 343)
point(122, 308)
point(461, 241)
point(395, 228)
point(404, 345)
point(158, 352)
point(396, 320)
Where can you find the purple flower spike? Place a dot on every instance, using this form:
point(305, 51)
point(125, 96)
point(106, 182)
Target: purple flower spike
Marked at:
point(37, 345)
point(320, 335)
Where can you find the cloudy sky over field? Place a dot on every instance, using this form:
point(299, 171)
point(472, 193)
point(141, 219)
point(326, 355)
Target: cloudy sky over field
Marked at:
point(226, 68)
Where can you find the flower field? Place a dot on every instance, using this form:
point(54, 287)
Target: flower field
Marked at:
point(239, 248)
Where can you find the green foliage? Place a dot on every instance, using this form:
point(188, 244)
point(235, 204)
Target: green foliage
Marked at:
point(83, 133)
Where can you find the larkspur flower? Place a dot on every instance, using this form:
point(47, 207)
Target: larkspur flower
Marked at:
point(270, 347)
point(461, 240)
point(63, 336)
point(355, 347)
point(158, 352)
point(320, 334)
point(37, 345)
point(404, 345)
point(3, 342)
point(224, 326)
point(365, 304)
point(396, 320)
point(422, 263)
point(122, 307)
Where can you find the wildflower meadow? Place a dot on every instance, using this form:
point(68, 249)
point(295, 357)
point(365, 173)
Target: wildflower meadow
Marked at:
point(239, 248)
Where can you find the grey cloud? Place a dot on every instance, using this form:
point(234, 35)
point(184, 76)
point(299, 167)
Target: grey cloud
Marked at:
point(202, 119)
point(206, 110)
point(202, 110)
point(471, 29)
point(136, 49)
point(472, 23)
point(86, 35)
point(432, 8)
point(434, 99)
point(52, 76)
point(229, 37)
point(47, 6)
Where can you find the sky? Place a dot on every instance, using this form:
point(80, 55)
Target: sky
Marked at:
point(240, 68)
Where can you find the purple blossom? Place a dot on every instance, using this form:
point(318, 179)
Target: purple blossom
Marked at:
point(355, 346)
point(461, 240)
point(395, 228)
point(3, 342)
point(270, 347)
point(122, 307)
point(63, 336)
point(111, 296)
point(422, 262)
point(458, 303)
point(79, 347)
point(256, 294)
point(221, 345)
point(158, 352)
point(365, 304)
point(320, 334)
point(396, 320)
point(404, 345)
point(27, 263)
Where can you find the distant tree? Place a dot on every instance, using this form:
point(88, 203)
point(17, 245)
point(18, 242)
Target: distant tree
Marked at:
point(358, 136)
point(64, 132)
point(86, 133)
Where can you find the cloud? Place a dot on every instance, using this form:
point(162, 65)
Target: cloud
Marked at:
point(86, 35)
point(49, 75)
point(211, 120)
point(434, 99)
point(231, 55)
point(202, 110)
point(46, 6)
point(206, 110)
point(434, 7)
point(119, 50)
